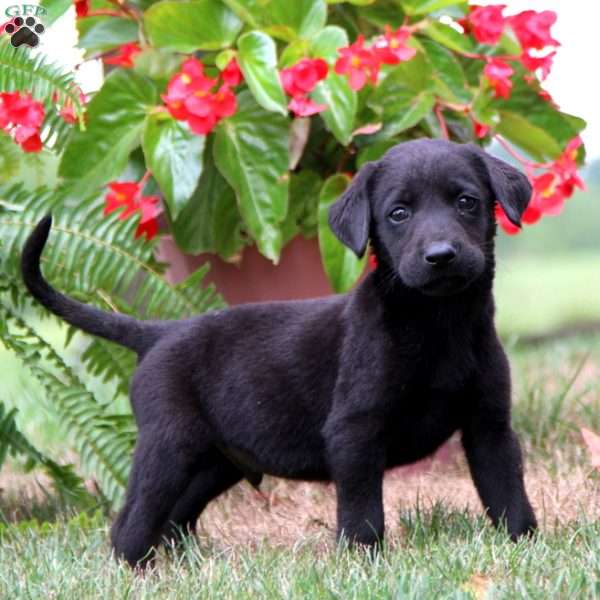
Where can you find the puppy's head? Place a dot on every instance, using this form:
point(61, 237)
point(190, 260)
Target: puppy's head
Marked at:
point(428, 206)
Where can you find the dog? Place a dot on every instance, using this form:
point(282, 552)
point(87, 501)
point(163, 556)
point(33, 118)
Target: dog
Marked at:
point(339, 388)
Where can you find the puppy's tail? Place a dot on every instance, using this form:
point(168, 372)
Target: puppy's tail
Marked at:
point(127, 331)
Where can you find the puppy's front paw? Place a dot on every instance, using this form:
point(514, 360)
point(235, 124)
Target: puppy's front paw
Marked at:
point(526, 526)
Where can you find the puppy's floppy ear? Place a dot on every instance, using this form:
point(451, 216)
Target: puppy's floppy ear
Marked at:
point(350, 215)
point(511, 188)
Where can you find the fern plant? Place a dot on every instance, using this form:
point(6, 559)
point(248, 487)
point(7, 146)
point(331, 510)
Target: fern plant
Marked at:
point(94, 259)
point(66, 481)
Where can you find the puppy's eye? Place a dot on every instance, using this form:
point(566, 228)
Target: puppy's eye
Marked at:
point(399, 214)
point(466, 203)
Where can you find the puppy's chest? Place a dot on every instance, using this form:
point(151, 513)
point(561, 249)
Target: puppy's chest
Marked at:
point(435, 364)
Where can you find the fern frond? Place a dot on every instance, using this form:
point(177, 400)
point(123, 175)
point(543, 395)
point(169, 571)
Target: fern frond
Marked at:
point(109, 362)
point(95, 256)
point(97, 260)
point(104, 447)
point(65, 480)
point(10, 157)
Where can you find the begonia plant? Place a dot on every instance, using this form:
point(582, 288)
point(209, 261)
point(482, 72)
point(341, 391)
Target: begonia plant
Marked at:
point(243, 120)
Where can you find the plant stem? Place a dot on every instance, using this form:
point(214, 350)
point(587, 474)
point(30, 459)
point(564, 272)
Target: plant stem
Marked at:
point(439, 110)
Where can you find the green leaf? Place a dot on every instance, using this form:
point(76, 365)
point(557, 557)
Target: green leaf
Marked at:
point(189, 25)
point(174, 156)
point(116, 118)
point(224, 57)
point(210, 221)
point(484, 109)
point(422, 7)
point(341, 106)
point(535, 125)
point(302, 215)
point(281, 18)
point(293, 52)
point(382, 13)
point(373, 152)
point(249, 11)
point(257, 57)
point(415, 74)
point(98, 34)
point(157, 64)
point(355, 2)
point(326, 43)
point(448, 74)
point(404, 97)
point(537, 142)
point(10, 157)
point(449, 37)
point(342, 266)
point(407, 113)
point(54, 10)
point(298, 18)
point(251, 151)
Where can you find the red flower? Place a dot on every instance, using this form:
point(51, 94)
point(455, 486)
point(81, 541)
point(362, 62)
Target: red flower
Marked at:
point(22, 117)
point(504, 222)
point(21, 110)
point(189, 86)
point(190, 98)
point(358, 63)
point(498, 74)
point(150, 209)
point(373, 263)
point(532, 29)
point(67, 110)
point(302, 78)
point(565, 166)
point(232, 74)
point(533, 63)
point(487, 23)
point(82, 7)
point(545, 95)
point(122, 194)
point(480, 129)
point(31, 143)
point(224, 102)
point(548, 194)
point(391, 49)
point(123, 57)
point(303, 106)
point(202, 125)
point(128, 195)
point(550, 189)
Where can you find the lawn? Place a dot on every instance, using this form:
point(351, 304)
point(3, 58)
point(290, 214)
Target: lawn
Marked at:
point(439, 545)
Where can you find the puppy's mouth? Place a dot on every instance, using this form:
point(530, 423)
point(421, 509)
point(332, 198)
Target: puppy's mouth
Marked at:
point(445, 285)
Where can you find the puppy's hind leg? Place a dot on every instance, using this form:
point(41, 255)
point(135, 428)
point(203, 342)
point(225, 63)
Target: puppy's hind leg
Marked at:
point(216, 474)
point(165, 460)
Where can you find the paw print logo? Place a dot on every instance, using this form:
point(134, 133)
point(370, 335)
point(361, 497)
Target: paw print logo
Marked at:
point(24, 31)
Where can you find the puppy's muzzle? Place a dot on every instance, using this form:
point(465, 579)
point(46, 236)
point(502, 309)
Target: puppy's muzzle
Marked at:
point(440, 254)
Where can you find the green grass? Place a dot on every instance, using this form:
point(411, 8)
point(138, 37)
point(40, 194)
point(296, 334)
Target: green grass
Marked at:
point(556, 391)
point(438, 552)
point(441, 552)
point(535, 294)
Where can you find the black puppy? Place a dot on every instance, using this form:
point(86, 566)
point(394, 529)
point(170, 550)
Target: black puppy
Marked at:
point(339, 388)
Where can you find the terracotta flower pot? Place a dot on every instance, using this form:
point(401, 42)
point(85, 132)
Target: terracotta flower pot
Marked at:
point(299, 273)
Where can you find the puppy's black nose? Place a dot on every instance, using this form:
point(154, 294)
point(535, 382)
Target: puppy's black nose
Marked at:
point(440, 254)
